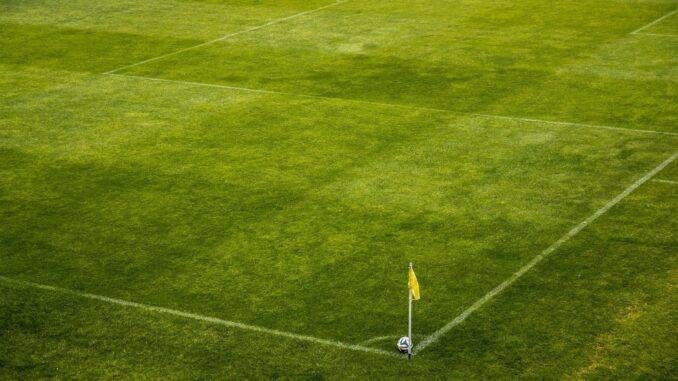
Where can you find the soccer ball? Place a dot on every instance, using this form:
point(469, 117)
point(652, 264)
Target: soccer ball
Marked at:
point(404, 344)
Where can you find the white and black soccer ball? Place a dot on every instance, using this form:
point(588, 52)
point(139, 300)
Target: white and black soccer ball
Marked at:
point(404, 344)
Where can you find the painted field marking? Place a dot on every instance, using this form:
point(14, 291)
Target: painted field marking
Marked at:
point(508, 282)
point(227, 36)
point(666, 181)
point(655, 34)
point(208, 319)
point(425, 343)
point(404, 106)
point(377, 339)
point(655, 21)
point(382, 338)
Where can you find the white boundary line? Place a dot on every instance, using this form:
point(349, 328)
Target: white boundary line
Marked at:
point(382, 338)
point(273, 22)
point(489, 116)
point(378, 338)
point(207, 319)
point(436, 335)
point(666, 181)
point(655, 21)
point(508, 282)
point(655, 34)
point(425, 343)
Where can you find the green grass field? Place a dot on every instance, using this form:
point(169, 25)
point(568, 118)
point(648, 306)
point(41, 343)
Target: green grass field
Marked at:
point(232, 189)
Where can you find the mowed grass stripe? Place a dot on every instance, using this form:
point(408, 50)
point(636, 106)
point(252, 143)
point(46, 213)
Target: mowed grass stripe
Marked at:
point(117, 188)
point(352, 53)
point(193, 316)
point(227, 36)
point(412, 107)
point(197, 20)
point(77, 50)
point(425, 343)
point(548, 251)
point(456, 172)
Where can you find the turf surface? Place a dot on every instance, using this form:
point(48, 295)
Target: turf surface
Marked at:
point(283, 177)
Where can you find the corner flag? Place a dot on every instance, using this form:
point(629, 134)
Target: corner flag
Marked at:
point(413, 293)
point(413, 285)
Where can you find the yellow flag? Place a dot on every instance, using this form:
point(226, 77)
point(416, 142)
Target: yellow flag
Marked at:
point(413, 285)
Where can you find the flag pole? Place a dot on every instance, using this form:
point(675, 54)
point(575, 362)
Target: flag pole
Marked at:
point(409, 319)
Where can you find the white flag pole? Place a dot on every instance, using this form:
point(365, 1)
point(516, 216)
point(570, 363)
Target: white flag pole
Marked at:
point(409, 316)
